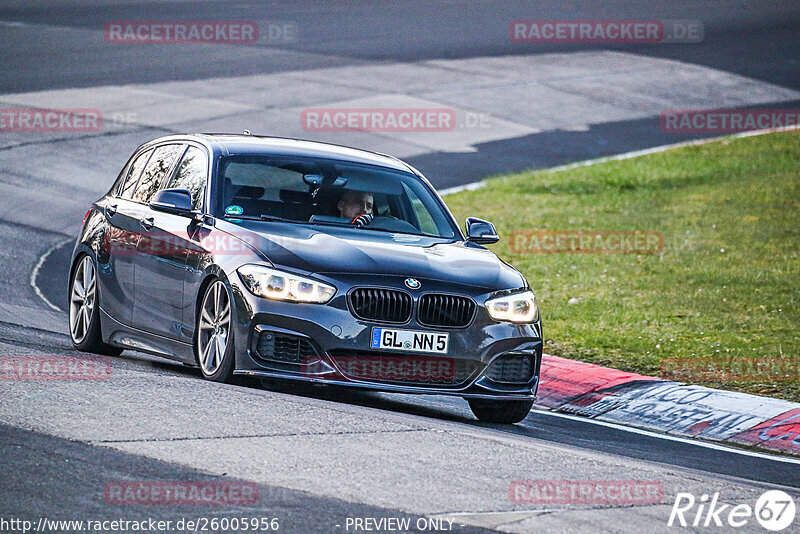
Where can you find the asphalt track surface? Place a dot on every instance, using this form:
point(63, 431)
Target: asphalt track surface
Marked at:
point(320, 455)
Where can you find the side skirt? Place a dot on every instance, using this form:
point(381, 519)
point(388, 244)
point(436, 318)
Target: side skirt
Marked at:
point(120, 335)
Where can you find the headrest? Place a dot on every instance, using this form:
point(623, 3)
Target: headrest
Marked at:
point(295, 197)
point(249, 191)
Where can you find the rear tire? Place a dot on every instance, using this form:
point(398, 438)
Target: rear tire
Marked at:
point(84, 310)
point(500, 411)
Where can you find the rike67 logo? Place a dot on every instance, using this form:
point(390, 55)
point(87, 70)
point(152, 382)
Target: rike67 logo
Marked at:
point(774, 510)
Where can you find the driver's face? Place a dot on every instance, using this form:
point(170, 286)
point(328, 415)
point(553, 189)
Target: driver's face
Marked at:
point(355, 204)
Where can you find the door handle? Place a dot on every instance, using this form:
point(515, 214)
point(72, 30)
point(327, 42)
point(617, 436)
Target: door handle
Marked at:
point(111, 210)
point(147, 223)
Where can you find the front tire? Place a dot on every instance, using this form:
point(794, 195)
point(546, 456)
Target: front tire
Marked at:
point(213, 341)
point(500, 411)
point(84, 310)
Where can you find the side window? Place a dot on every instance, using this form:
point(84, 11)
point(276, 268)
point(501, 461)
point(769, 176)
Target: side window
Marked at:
point(133, 174)
point(426, 222)
point(156, 171)
point(192, 174)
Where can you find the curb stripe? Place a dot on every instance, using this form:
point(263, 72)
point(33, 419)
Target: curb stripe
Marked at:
point(668, 437)
point(571, 378)
point(781, 433)
point(607, 394)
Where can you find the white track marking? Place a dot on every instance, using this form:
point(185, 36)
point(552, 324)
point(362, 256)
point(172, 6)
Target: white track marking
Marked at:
point(35, 273)
point(668, 437)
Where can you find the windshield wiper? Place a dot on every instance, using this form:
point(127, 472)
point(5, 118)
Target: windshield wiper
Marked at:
point(263, 217)
point(372, 229)
point(247, 217)
point(268, 217)
point(332, 223)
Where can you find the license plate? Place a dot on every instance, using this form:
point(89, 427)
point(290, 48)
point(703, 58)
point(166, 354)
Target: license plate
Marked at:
point(413, 340)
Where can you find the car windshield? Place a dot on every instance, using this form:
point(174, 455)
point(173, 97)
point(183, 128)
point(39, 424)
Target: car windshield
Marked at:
point(328, 192)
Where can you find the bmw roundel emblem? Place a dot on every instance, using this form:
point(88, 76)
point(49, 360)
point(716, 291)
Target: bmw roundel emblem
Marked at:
point(412, 283)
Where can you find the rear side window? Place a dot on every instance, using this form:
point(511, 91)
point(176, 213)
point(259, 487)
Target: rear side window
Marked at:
point(191, 175)
point(133, 174)
point(156, 171)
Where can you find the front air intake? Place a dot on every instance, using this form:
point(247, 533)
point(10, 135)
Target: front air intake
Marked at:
point(512, 369)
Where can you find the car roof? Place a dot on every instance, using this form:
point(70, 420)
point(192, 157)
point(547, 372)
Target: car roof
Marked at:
point(238, 144)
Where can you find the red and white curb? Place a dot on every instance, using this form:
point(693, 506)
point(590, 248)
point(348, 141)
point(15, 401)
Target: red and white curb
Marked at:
point(605, 394)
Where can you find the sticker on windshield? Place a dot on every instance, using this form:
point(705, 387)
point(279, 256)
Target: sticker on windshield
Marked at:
point(234, 210)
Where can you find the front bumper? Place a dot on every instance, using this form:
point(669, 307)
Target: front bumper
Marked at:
point(330, 334)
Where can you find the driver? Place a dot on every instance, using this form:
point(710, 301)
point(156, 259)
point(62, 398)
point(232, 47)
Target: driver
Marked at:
point(356, 207)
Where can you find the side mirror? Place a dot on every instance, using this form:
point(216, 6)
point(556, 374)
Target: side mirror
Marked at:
point(481, 232)
point(176, 201)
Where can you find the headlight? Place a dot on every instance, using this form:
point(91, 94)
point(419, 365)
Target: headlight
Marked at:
point(517, 308)
point(278, 285)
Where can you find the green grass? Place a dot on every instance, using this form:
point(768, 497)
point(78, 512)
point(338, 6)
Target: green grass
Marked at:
point(727, 282)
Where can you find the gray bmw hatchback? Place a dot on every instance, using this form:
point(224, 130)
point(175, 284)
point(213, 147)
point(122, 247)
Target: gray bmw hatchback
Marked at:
point(282, 258)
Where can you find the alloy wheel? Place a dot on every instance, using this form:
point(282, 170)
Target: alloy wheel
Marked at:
point(214, 327)
point(81, 302)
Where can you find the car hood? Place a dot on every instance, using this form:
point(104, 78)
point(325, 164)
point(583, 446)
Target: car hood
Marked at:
point(331, 250)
